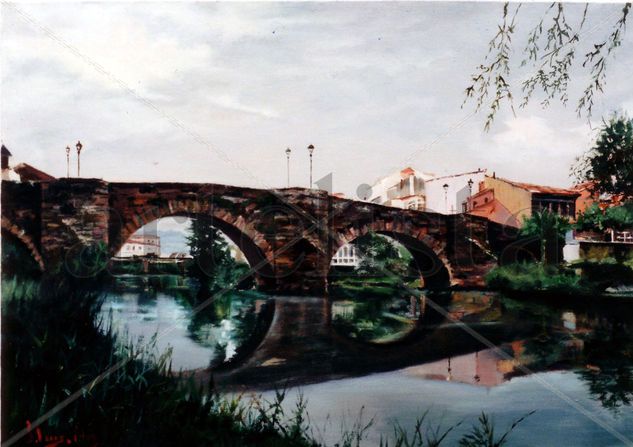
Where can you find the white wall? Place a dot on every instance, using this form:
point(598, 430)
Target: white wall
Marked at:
point(140, 246)
point(457, 192)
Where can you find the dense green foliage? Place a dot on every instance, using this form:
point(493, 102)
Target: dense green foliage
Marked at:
point(549, 229)
point(16, 259)
point(615, 218)
point(212, 263)
point(380, 254)
point(535, 277)
point(609, 163)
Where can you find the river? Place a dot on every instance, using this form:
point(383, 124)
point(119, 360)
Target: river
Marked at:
point(393, 358)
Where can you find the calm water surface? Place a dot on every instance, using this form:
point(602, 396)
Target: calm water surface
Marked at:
point(580, 356)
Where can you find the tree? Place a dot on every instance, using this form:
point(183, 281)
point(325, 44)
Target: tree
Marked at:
point(212, 261)
point(550, 52)
point(592, 219)
point(549, 228)
point(379, 254)
point(609, 163)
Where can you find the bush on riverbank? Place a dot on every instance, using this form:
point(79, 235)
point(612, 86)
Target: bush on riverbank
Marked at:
point(536, 277)
point(605, 274)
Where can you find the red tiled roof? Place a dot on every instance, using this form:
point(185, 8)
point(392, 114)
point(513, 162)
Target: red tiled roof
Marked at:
point(540, 189)
point(406, 172)
point(29, 173)
point(496, 212)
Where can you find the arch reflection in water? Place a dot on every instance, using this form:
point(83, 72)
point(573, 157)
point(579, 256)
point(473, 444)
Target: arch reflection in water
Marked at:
point(142, 306)
point(376, 319)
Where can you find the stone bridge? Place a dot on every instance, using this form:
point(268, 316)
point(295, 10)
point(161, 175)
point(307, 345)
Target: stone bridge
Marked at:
point(288, 236)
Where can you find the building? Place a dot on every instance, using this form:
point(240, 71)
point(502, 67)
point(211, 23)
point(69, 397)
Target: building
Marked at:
point(449, 194)
point(140, 245)
point(22, 172)
point(510, 203)
point(7, 172)
point(411, 189)
point(346, 256)
point(402, 189)
point(484, 204)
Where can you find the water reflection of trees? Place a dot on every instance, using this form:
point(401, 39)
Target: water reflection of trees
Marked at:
point(225, 322)
point(609, 375)
point(595, 340)
point(222, 322)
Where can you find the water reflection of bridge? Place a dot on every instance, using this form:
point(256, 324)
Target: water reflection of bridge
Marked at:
point(302, 346)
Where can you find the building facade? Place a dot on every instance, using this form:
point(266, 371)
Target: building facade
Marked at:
point(449, 194)
point(411, 189)
point(140, 245)
point(346, 256)
point(403, 189)
point(510, 203)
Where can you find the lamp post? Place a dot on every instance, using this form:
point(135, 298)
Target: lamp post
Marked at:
point(67, 161)
point(78, 146)
point(470, 192)
point(445, 186)
point(311, 150)
point(288, 166)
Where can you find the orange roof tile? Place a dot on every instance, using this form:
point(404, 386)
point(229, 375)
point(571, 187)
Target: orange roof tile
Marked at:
point(540, 189)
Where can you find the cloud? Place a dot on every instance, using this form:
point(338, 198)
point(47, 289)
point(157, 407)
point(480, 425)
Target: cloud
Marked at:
point(534, 149)
point(367, 83)
point(121, 45)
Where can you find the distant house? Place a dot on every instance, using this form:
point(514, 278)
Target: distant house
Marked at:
point(22, 172)
point(7, 172)
point(509, 202)
point(180, 255)
point(346, 256)
point(414, 190)
point(28, 173)
point(140, 245)
point(402, 189)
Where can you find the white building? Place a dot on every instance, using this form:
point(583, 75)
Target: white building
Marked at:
point(346, 256)
point(410, 189)
point(140, 245)
point(402, 189)
point(449, 194)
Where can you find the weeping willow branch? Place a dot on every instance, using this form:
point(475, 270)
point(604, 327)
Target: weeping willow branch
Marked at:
point(551, 52)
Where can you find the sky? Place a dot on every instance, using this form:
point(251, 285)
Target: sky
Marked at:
point(215, 92)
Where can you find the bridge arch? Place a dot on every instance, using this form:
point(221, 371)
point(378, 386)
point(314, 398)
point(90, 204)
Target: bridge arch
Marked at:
point(24, 238)
point(428, 253)
point(242, 233)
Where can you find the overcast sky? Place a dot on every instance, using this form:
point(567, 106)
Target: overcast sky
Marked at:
point(213, 92)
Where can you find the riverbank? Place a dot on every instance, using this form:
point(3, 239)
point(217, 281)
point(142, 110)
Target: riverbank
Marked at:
point(584, 280)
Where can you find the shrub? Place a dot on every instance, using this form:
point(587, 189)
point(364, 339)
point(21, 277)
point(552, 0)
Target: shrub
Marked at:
point(531, 277)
